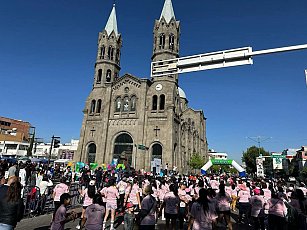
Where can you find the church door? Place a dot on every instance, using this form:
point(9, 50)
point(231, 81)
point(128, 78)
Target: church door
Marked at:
point(156, 152)
point(91, 153)
point(123, 148)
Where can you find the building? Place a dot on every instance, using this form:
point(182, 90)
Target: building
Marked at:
point(13, 149)
point(14, 130)
point(68, 150)
point(302, 157)
point(140, 119)
point(217, 155)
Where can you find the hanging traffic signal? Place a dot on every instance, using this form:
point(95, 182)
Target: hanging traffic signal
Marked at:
point(56, 143)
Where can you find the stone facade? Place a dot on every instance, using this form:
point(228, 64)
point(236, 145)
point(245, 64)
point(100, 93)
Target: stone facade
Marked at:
point(124, 112)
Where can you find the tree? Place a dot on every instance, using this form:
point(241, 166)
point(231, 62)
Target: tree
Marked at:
point(249, 157)
point(196, 161)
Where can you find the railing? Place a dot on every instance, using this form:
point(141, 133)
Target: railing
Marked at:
point(37, 204)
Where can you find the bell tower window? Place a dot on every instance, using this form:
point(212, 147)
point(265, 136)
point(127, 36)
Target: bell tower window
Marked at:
point(98, 106)
point(162, 102)
point(171, 41)
point(117, 56)
point(102, 52)
point(162, 41)
point(99, 75)
point(93, 105)
point(154, 102)
point(108, 75)
point(110, 52)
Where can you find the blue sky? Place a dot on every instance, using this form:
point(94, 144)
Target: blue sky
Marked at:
point(48, 50)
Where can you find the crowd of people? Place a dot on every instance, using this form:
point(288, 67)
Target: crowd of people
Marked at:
point(141, 199)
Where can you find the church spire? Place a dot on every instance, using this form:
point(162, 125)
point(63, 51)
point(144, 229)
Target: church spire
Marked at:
point(112, 23)
point(168, 11)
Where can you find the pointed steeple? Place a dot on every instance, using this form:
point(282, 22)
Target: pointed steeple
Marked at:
point(168, 11)
point(112, 23)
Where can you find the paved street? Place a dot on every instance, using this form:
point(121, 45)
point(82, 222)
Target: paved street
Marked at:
point(42, 223)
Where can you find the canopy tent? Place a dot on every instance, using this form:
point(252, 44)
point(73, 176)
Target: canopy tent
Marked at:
point(62, 161)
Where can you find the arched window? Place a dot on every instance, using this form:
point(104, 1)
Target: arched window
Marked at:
point(162, 102)
point(156, 151)
point(161, 41)
point(171, 41)
point(102, 52)
point(133, 103)
point(154, 102)
point(108, 75)
point(109, 52)
point(99, 75)
point(118, 104)
point(93, 104)
point(123, 146)
point(117, 56)
point(98, 106)
point(126, 104)
point(91, 153)
point(112, 53)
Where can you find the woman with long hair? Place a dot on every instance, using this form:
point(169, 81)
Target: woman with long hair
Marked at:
point(171, 204)
point(94, 214)
point(203, 214)
point(11, 204)
point(277, 212)
point(87, 194)
point(223, 205)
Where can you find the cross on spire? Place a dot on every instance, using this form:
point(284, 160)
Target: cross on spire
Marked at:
point(157, 129)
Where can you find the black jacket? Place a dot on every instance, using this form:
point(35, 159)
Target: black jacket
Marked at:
point(10, 212)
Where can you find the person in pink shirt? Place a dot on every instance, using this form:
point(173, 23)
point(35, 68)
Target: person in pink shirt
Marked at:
point(257, 209)
point(132, 194)
point(111, 194)
point(58, 190)
point(223, 205)
point(277, 213)
point(244, 205)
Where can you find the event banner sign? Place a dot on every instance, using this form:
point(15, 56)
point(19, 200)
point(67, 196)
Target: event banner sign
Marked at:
point(221, 162)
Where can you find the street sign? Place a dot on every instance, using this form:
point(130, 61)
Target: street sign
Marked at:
point(279, 156)
point(142, 147)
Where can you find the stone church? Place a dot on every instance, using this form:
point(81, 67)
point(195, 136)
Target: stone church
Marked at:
point(140, 119)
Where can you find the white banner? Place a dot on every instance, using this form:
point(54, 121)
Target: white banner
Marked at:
point(277, 163)
point(259, 165)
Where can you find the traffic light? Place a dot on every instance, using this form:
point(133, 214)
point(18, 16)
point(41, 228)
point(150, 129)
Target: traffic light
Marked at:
point(56, 143)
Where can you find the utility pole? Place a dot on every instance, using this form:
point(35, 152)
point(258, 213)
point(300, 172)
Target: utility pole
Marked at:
point(259, 139)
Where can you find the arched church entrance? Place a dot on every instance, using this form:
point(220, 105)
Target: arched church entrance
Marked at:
point(156, 152)
point(91, 153)
point(123, 146)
